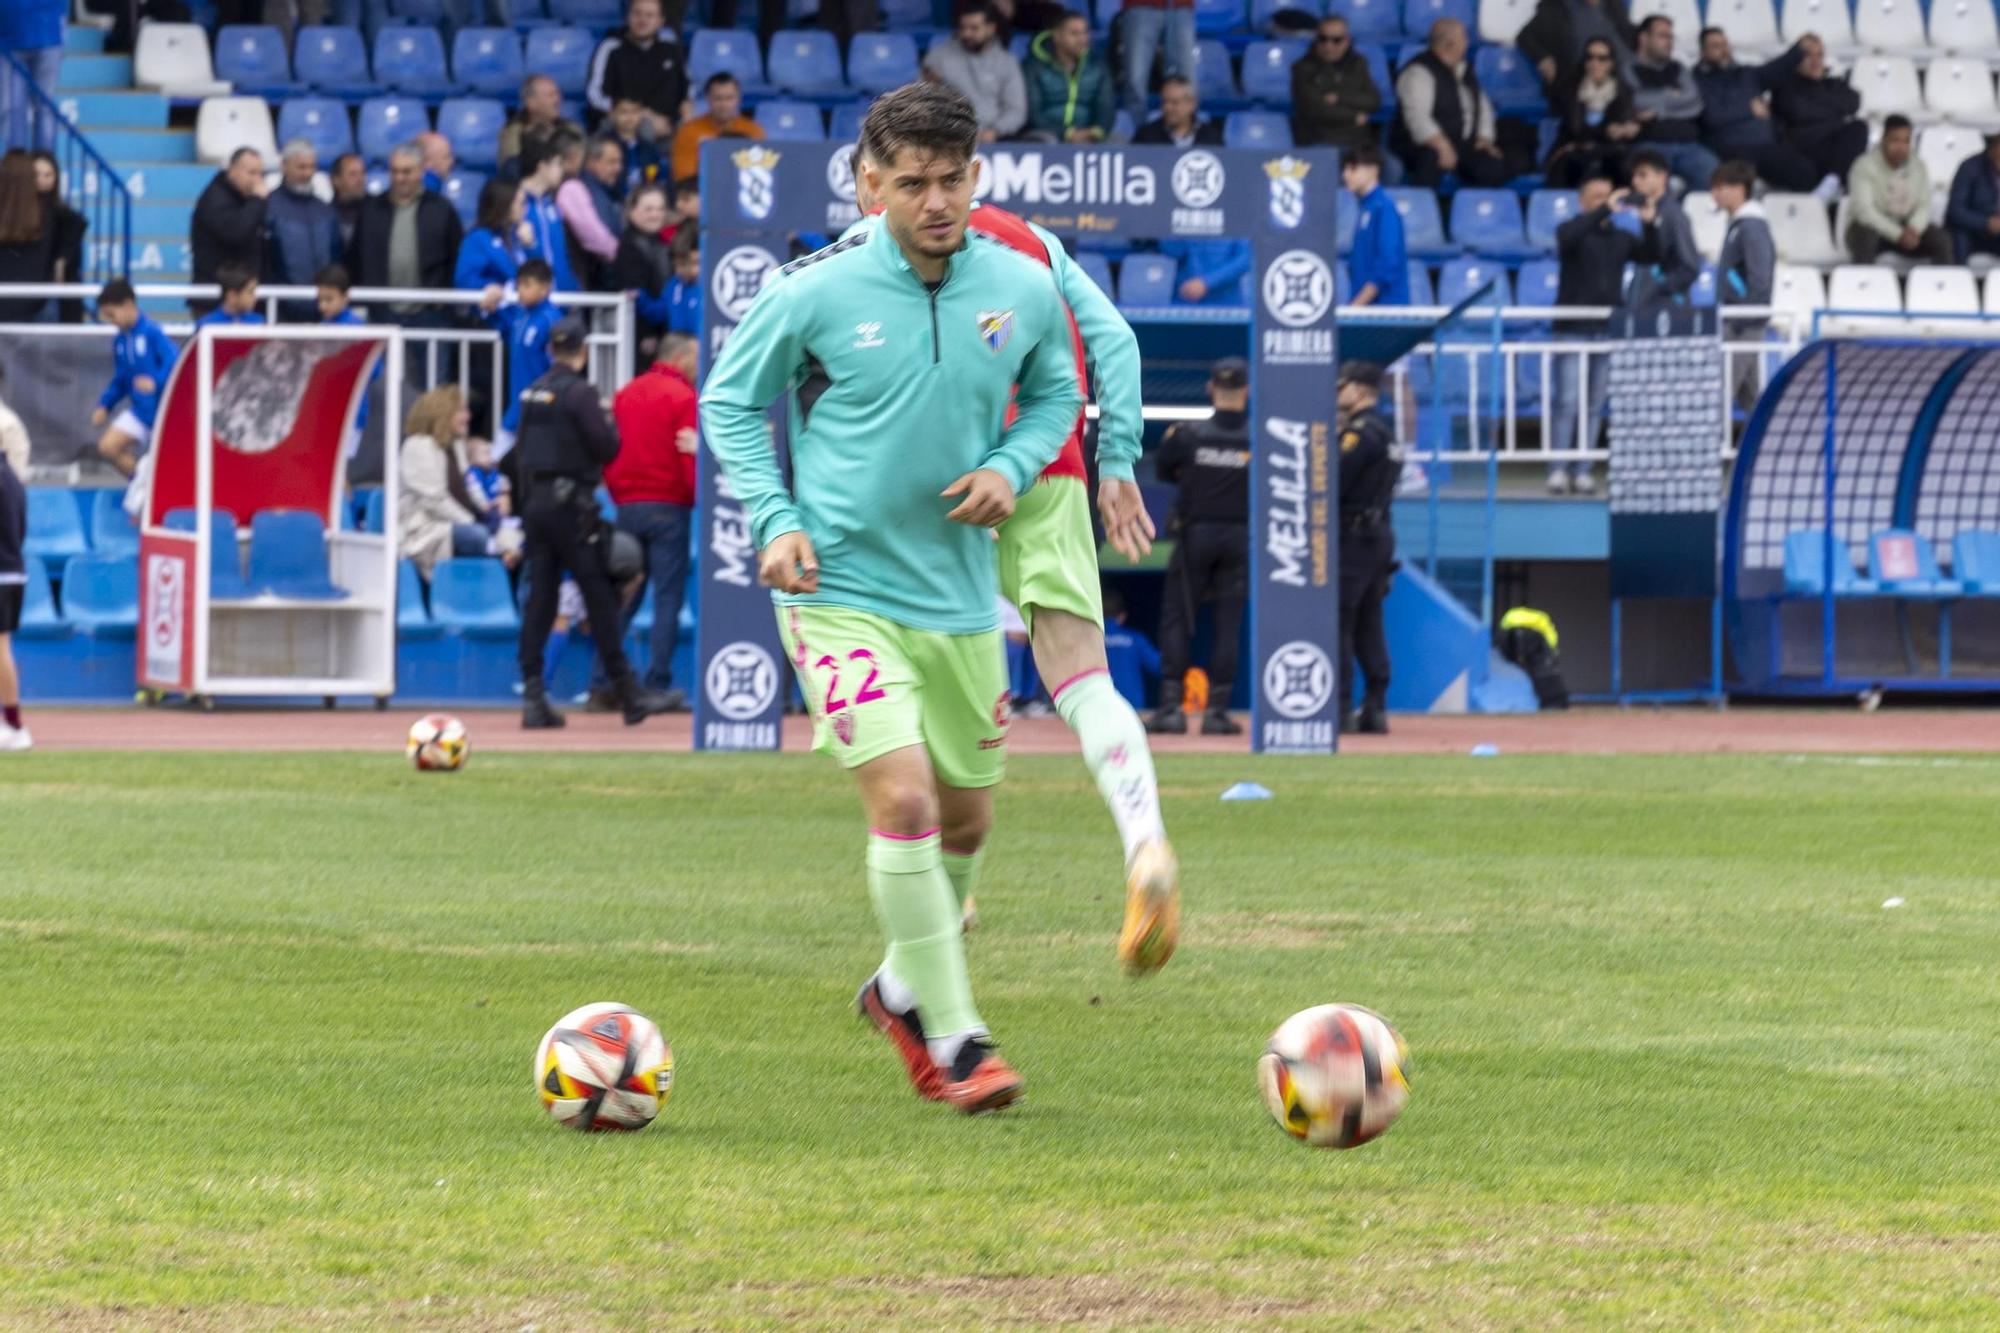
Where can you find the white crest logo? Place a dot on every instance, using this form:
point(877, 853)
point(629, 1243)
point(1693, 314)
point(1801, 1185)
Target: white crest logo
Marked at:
point(869, 334)
point(742, 681)
point(1197, 179)
point(1298, 288)
point(739, 276)
point(1288, 190)
point(1298, 679)
point(840, 173)
point(756, 186)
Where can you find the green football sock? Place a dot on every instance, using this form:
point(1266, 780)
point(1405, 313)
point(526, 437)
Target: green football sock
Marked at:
point(913, 898)
point(962, 869)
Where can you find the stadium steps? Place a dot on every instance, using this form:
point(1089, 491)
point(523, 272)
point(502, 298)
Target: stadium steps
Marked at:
point(89, 73)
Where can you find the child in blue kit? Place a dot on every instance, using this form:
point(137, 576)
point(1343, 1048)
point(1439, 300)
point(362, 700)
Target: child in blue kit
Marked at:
point(524, 324)
point(142, 358)
point(239, 297)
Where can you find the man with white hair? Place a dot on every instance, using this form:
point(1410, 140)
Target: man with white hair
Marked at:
point(439, 160)
point(304, 229)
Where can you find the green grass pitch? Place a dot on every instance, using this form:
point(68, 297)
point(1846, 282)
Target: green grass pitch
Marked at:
point(270, 1022)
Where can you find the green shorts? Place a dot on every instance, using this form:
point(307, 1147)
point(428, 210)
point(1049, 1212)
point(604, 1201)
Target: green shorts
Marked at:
point(874, 686)
point(1048, 554)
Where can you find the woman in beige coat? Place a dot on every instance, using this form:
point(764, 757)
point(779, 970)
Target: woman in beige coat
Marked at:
point(437, 515)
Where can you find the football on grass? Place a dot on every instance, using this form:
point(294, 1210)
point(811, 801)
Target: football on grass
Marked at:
point(437, 744)
point(604, 1067)
point(1335, 1075)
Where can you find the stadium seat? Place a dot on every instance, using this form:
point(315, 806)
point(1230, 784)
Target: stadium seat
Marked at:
point(101, 595)
point(471, 596)
point(252, 57)
point(1506, 76)
point(1423, 225)
point(1371, 20)
point(796, 121)
point(1381, 60)
point(1943, 290)
point(1891, 25)
point(1702, 293)
point(1800, 229)
point(846, 121)
point(1752, 26)
point(1146, 280)
point(111, 529)
point(411, 60)
point(1960, 89)
point(561, 53)
point(413, 619)
point(288, 556)
point(1501, 21)
point(588, 13)
point(1975, 561)
point(487, 60)
point(1264, 130)
point(1805, 567)
point(1798, 289)
point(225, 124)
point(387, 122)
point(1488, 222)
point(225, 553)
point(1963, 27)
point(1214, 81)
point(1537, 283)
point(333, 61)
point(1902, 562)
point(1267, 70)
point(1465, 275)
point(461, 191)
point(1865, 287)
point(1215, 17)
point(55, 527)
point(1943, 147)
point(806, 61)
point(1549, 209)
point(1420, 285)
point(1831, 19)
point(473, 125)
point(321, 122)
point(725, 51)
point(902, 15)
point(1098, 269)
point(38, 607)
point(879, 61)
point(1887, 84)
point(172, 58)
point(1708, 222)
point(1418, 15)
point(425, 13)
point(1264, 13)
point(372, 510)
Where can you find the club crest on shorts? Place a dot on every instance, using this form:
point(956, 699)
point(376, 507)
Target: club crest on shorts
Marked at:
point(843, 728)
point(995, 328)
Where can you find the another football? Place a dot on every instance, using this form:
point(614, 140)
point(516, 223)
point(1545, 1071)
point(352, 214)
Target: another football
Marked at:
point(1335, 1075)
point(438, 744)
point(604, 1067)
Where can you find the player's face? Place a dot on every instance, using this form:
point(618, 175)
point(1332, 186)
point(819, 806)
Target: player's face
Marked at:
point(925, 199)
point(331, 301)
point(241, 301)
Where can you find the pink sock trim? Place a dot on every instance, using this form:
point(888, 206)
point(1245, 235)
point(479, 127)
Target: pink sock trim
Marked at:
point(959, 851)
point(903, 837)
point(1094, 671)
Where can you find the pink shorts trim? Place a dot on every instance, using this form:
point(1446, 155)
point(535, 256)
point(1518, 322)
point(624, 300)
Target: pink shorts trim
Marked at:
point(903, 837)
point(1056, 693)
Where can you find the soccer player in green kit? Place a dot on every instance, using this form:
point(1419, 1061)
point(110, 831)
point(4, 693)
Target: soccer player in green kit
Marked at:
point(902, 345)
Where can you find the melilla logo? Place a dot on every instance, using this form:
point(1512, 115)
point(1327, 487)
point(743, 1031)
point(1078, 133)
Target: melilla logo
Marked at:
point(1088, 178)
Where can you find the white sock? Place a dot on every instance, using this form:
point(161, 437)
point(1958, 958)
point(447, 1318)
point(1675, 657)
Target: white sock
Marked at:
point(897, 997)
point(945, 1049)
point(1115, 751)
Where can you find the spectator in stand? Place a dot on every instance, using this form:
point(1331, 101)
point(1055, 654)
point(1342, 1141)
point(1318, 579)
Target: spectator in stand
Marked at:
point(524, 324)
point(1736, 111)
point(1378, 268)
point(1147, 28)
point(539, 116)
point(1890, 191)
point(28, 242)
point(1592, 249)
point(32, 32)
point(439, 160)
point(1677, 266)
point(304, 230)
point(684, 292)
point(646, 64)
point(1180, 123)
point(70, 227)
point(976, 63)
point(842, 18)
point(589, 202)
point(228, 220)
point(652, 481)
point(349, 178)
point(1333, 92)
point(490, 255)
point(684, 207)
point(1669, 104)
point(1555, 36)
point(723, 117)
point(1211, 272)
point(1746, 269)
point(542, 173)
point(1819, 116)
point(644, 265)
point(142, 356)
point(405, 237)
point(1069, 94)
point(436, 514)
point(1598, 123)
point(643, 163)
point(238, 282)
point(1974, 208)
point(1445, 123)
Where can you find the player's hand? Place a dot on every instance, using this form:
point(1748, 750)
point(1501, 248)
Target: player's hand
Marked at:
point(145, 383)
point(98, 416)
point(1126, 522)
point(490, 297)
point(788, 564)
point(1194, 289)
point(988, 502)
point(686, 440)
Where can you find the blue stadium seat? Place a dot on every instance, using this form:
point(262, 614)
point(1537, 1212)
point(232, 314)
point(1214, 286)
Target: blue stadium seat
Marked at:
point(1214, 81)
point(38, 607)
point(1098, 269)
point(879, 61)
point(1262, 12)
point(321, 122)
point(1146, 280)
point(1263, 130)
point(413, 621)
point(561, 53)
point(55, 527)
point(473, 125)
point(288, 556)
point(225, 555)
point(1346, 217)
point(487, 60)
point(1381, 60)
point(1267, 70)
point(727, 51)
point(1537, 282)
point(461, 191)
point(588, 13)
point(1420, 285)
point(101, 595)
point(334, 61)
point(806, 61)
point(378, 179)
point(1506, 76)
point(1547, 210)
point(471, 596)
point(1371, 20)
point(1975, 561)
point(1343, 286)
point(1423, 225)
point(846, 126)
point(790, 121)
point(111, 529)
point(411, 60)
point(1703, 291)
point(387, 122)
point(1017, 47)
point(372, 511)
point(252, 56)
point(1418, 15)
point(1805, 567)
point(1489, 222)
point(430, 13)
point(1901, 560)
point(1215, 17)
point(1465, 275)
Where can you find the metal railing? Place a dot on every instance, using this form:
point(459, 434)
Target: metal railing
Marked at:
point(89, 182)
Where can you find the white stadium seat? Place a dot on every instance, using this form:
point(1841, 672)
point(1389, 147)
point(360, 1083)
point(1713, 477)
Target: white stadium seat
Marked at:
point(1993, 292)
point(1829, 18)
point(1864, 287)
point(1501, 21)
point(1888, 85)
point(1951, 291)
point(225, 124)
point(1944, 147)
point(173, 58)
point(1708, 223)
point(1960, 89)
point(1795, 287)
point(1890, 25)
point(1800, 230)
point(1964, 26)
point(1752, 26)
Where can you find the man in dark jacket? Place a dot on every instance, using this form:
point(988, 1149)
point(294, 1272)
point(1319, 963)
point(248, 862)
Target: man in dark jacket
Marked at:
point(1736, 111)
point(1669, 104)
point(1179, 124)
point(1746, 269)
point(1592, 248)
point(1333, 92)
point(406, 237)
point(1678, 264)
point(645, 64)
point(228, 220)
point(1070, 98)
point(304, 231)
point(1818, 116)
point(1974, 211)
point(1554, 38)
point(349, 178)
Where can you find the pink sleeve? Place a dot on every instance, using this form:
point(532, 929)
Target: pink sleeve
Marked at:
point(580, 216)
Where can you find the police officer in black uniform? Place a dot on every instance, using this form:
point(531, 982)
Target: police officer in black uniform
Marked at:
point(1368, 472)
point(564, 441)
point(1210, 462)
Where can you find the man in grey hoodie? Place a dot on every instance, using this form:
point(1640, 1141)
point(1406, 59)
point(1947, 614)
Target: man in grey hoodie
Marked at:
point(1668, 103)
point(974, 61)
point(1746, 270)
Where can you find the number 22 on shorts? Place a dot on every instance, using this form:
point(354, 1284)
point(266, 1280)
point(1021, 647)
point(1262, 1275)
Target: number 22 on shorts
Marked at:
point(867, 694)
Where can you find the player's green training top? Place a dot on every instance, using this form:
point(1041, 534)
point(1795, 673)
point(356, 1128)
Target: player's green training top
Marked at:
point(900, 390)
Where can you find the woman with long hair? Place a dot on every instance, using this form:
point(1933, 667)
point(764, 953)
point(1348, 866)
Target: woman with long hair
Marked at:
point(436, 513)
point(27, 241)
point(69, 225)
point(491, 253)
point(1600, 124)
point(645, 263)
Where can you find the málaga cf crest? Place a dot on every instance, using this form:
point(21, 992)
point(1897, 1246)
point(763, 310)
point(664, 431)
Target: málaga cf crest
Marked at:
point(995, 328)
point(756, 187)
point(1288, 190)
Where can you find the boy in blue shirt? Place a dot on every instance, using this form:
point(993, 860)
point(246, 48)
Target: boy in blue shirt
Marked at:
point(541, 173)
point(333, 284)
point(1379, 267)
point(239, 297)
point(142, 357)
point(524, 325)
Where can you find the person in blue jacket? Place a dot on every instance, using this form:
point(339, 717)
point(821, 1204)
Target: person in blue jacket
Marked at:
point(524, 324)
point(142, 358)
point(679, 306)
point(32, 32)
point(544, 166)
point(239, 297)
point(1378, 268)
point(1211, 272)
point(491, 253)
point(1132, 658)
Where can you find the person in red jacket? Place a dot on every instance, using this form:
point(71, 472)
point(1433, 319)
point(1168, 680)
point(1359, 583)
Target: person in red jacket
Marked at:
point(652, 483)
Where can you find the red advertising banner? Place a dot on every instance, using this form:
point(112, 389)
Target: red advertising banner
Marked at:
point(166, 610)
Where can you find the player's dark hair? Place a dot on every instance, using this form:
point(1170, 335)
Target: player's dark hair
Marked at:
point(233, 278)
point(334, 276)
point(117, 292)
point(496, 206)
point(1646, 157)
point(1365, 156)
point(935, 119)
point(1598, 174)
point(1702, 40)
point(539, 150)
point(1895, 123)
point(1735, 172)
point(535, 270)
point(1646, 23)
point(686, 241)
point(686, 185)
point(716, 80)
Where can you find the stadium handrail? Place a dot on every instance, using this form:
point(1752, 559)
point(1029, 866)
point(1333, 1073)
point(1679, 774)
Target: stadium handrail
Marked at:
point(96, 188)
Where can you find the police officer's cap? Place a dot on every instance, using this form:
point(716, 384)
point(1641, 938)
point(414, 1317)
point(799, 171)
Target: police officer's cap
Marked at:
point(568, 335)
point(1365, 373)
point(1231, 372)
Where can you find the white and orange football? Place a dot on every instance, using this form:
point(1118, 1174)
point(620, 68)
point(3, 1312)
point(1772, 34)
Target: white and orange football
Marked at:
point(1335, 1075)
point(438, 744)
point(604, 1066)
